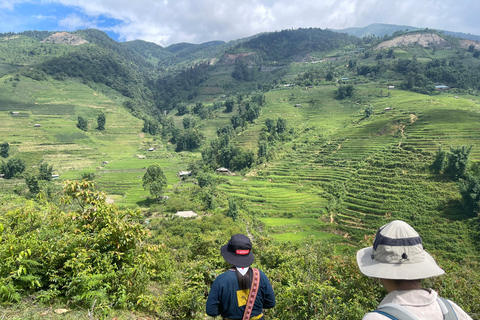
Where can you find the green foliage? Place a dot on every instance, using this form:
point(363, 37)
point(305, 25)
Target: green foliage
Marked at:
point(150, 126)
point(182, 109)
point(345, 91)
point(229, 104)
point(32, 183)
point(232, 209)
point(470, 191)
point(368, 111)
point(440, 160)
point(12, 167)
point(82, 123)
point(4, 149)
point(154, 180)
point(189, 122)
point(93, 253)
point(45, 172)
point(101, 120)
point(457, 162)
point(188, 140)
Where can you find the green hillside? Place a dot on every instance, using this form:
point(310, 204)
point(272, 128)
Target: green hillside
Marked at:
point(326, 137)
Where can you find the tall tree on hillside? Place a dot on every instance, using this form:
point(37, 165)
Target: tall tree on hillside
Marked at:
point(32, 184)
point(457, 162)
point(154, 180)
point(45, 172)
point(12, 167)
point(101, 120)
point(82, 123)
point(470, 191)
point(440, 160)
point(4, 149)
point(229, 104)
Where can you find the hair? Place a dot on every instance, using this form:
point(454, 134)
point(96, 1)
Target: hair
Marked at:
point(244, 282)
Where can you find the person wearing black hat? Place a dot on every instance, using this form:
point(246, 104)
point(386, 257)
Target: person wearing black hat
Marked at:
point(241, 292)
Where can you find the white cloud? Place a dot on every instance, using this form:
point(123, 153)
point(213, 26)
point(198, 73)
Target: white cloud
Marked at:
point(42, 17)
point(172, 21)
point(74, 22)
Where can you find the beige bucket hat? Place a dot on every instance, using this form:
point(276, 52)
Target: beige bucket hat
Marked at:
point(397, 253)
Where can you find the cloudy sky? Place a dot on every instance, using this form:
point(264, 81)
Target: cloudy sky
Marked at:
point(172, 21)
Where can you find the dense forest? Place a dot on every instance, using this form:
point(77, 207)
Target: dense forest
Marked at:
point(307, 140)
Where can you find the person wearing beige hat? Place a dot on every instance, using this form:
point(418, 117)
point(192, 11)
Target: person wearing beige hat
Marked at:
point(398, 259)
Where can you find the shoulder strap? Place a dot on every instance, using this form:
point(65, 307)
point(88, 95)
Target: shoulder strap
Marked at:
point(253, 294)
point(447, 309)
point(395, 312)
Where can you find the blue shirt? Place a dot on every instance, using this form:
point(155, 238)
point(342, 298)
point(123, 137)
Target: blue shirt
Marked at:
point(226, 298)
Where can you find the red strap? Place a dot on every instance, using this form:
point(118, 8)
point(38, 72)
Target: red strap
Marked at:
point(253, 294)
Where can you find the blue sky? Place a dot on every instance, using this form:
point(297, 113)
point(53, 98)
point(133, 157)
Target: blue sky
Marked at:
point(172, 21)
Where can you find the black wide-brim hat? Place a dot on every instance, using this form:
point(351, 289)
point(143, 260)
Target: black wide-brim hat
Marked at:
point(238, 251)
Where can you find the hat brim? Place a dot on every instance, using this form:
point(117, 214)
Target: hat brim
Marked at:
point(237, 260)
point(400, 271)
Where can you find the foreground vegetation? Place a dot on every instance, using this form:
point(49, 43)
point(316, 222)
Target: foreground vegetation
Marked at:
point(317, 156)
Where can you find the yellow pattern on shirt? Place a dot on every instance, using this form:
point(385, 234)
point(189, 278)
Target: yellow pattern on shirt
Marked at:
point(242, 296)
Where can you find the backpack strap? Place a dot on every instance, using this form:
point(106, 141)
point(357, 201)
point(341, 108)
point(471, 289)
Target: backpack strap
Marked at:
point(253, 294)
point(395, 312)
point(447, 309)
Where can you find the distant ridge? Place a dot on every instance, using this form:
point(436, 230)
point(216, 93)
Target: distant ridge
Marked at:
point(381, 29)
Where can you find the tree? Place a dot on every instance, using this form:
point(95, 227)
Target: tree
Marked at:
point(151, 127)
point(470, 191)
point(101, 119)
point(457, 162)
point(229, 104)
point(4, 149)
point(440, 161)
point(281, 125)
point(182, 109)
point(271, 125)
point(12, 167)
point(154, 180)
point(368, 111)
point(189, 122)
point(32, 184)
point(345, 91)
point(82, 123)
point(329, 76)
point(232, 209)
point(45, 172)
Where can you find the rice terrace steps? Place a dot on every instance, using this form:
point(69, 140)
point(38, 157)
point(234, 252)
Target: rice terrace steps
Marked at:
point(369, 171)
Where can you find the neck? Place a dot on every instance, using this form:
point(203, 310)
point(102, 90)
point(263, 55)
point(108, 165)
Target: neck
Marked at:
point(392, 285)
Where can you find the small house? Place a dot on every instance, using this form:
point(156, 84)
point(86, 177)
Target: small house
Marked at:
point(15, 113)
point(223, 170)
point(105, 162)
point(391, 87)
point(442, 87)
point(388, 108)
point(151, 149)
point(55, 176)
point(184, 173)
point(36, 125)
point(298, 105)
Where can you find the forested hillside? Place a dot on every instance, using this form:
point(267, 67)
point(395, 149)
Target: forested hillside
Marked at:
point(305, 140)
